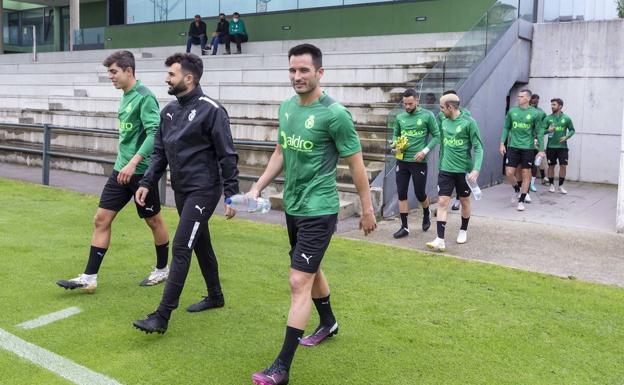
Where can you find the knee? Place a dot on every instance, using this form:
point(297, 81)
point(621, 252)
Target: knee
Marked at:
point(300, 283)
point(443, 203)
point(421, 196)
point(154, 222)
point(101, 221)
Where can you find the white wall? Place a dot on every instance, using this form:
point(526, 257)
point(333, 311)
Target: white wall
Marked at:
point(583, 64)
point(619, 225)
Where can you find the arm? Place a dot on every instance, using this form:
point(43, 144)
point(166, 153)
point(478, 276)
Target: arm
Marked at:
point(221, 136)
point(506, 128)
point(571, 130)
point(434, 131)
point(150, 119)
point(368, 223)
point(477, 147)
point(156, 169)
point(273, 169)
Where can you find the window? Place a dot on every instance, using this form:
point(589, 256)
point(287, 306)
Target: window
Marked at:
point(204, 8)
point(140, 11)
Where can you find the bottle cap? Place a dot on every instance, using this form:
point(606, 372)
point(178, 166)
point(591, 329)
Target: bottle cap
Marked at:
point(228, 201)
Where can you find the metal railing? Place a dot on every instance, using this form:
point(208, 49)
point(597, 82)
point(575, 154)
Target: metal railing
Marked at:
point(47, 153)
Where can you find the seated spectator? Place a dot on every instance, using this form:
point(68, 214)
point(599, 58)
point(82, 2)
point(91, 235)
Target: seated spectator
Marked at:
point(220, 35)
point(238, 34)
point(197, 35)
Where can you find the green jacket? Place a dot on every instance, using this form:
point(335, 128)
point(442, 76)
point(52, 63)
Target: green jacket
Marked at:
point(238, 28)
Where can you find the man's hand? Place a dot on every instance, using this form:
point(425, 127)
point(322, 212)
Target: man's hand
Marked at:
point(140, 195)
point(472, 177)
point(126, 173)
point(502, 149)
point(368, 223)
point(563, 139)
point(254, 192)
point(541, 154)
point(229, 212)
point(420, 156)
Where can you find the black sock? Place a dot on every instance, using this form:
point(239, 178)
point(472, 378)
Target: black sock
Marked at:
point(441, 228)
point(522, 196)
point(542, 173)
point(561, 180)
point(519, 184)
point(404, 220)
point(325, 311)
point(426, 212)
point(162, 254)
point(291, 341)
point(464, 225)
point(516, 188)
point(96, 255)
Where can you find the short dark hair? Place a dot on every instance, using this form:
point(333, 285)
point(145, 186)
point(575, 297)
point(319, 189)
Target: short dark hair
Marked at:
point(527, 91)
point(236, 14)
point(198, 16)
point(222, 14)
point(190, 63)
point(449, 92)
point(124, 59)
point(410, 92)
point(534, 97)
point(558, 101)
point(314, 51)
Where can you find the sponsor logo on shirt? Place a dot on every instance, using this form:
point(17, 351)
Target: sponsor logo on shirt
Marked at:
point(414, 132)
point(453, 142)
point(521, 125)
point(419, 122)
point(295, 143)
point(125, 126)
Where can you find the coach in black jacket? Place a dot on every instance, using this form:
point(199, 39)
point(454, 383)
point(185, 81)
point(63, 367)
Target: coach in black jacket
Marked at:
point(195, 140)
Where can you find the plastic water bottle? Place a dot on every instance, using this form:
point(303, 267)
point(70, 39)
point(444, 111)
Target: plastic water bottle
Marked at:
point(245, 203)
point(538, 160)
point(474, 187)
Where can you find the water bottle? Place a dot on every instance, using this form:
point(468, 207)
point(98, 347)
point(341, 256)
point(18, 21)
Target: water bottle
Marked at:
point(538, 160)
point(474, 187)
point(245, 203)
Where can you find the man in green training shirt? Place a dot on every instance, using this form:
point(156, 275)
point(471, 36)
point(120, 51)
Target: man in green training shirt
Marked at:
point(139, 118)
point(460, 136)
point(314, 132)
point(534, 102)
point(522, 126)
point(456, 203)
point(560, 130)
point(415, 125)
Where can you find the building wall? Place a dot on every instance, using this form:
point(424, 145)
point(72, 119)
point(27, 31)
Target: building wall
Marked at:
point(93, 14)
point(583, 64)
point(384, 19)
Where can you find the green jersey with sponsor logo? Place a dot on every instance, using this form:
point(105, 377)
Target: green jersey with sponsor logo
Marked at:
point(139, 118)
point(312, 138)
point(417, 126)
point(522, 126)
point(563, 127)
point(459, 138)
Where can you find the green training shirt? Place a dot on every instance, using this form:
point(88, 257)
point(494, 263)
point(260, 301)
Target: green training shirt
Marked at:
point(312, 138)
point(416, 126)
point(139, 118)
point(459, 137)
point(522, 126)
point(563, 127)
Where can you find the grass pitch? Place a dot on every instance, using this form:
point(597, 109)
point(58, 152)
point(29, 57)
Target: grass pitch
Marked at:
point(405, 317)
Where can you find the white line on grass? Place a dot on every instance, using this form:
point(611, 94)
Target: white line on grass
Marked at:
point(49, 318)
point(53, 362)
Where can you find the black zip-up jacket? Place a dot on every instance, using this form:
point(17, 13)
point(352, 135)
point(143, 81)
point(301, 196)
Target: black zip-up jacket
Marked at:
point(196, 30)
point(194, 138)
point(223, 27)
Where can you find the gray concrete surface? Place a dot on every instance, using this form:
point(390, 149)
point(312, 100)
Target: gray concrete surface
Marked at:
point(569, 236)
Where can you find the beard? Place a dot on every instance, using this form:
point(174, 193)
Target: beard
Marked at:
point(176, 89)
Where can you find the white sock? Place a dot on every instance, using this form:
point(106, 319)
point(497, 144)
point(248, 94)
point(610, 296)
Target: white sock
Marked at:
point(532, 180)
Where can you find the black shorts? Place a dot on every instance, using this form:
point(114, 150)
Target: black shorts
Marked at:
point(309, 239)
point(415, 171)
point(449, 181)
point(555, 155)
point(115, 196)
point(519, 157)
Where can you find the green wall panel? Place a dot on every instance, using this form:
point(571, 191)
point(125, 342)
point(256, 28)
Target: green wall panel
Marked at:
point(93, 14)
point(384, 19)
